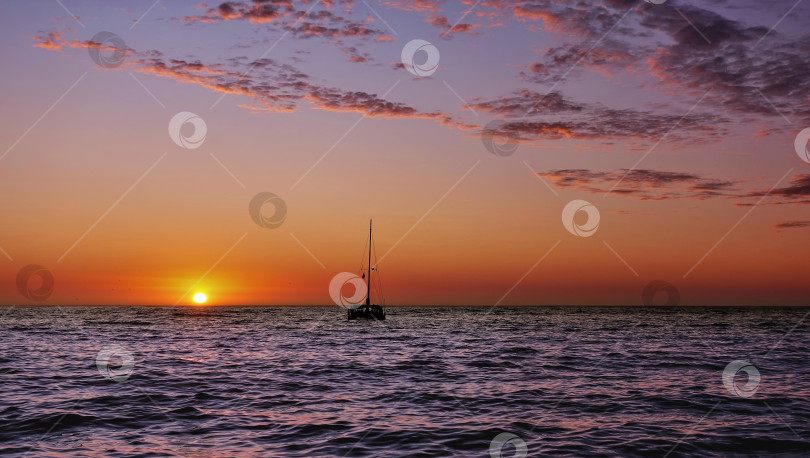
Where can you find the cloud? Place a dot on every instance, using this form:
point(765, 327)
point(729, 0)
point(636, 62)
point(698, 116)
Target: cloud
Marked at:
point(798, 191)
point(53, 42)
point(580, 19)
point(355, 55)
point(560, 61)
point(527, 102)
point(50, 41)
point(415, 5)
point(529, 115)
point(644, 184)
point(431, 11)
point(793, 224)
point(748, 76)
point(273, 85)
point(281, 87)
point(258, 12)
point(309, 21)
point(449, 29)
point(686, 57)
point(744, 79)
point(647, 184)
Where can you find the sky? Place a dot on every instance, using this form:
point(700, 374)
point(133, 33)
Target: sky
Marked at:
point(509, 153)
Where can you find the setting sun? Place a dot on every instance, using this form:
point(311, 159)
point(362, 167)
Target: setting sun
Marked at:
point(200, 298)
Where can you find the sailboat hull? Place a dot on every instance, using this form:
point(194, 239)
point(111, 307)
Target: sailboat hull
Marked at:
point(367, 312)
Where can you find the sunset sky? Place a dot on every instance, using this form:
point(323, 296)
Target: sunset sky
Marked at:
point(676, 121)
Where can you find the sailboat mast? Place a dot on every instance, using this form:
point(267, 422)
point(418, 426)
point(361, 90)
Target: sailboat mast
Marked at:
point(368, 277)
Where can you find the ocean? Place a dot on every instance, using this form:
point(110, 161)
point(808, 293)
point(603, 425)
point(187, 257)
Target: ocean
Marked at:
point(428, 381)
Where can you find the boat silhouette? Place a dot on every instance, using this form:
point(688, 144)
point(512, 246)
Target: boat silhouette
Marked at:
point(367, 310)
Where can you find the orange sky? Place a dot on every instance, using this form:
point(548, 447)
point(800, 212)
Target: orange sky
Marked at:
point(97, 192)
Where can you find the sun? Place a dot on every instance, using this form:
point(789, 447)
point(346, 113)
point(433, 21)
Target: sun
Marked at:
point(200, 298)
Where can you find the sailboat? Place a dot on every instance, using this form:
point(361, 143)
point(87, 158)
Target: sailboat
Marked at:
point(367, 310)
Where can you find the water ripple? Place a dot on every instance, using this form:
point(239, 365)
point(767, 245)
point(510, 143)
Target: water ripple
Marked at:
point(303, 381)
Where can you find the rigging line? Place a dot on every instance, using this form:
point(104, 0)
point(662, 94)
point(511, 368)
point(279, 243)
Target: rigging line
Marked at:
point(377, 268)
point(376, 280)
point(363, 256)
